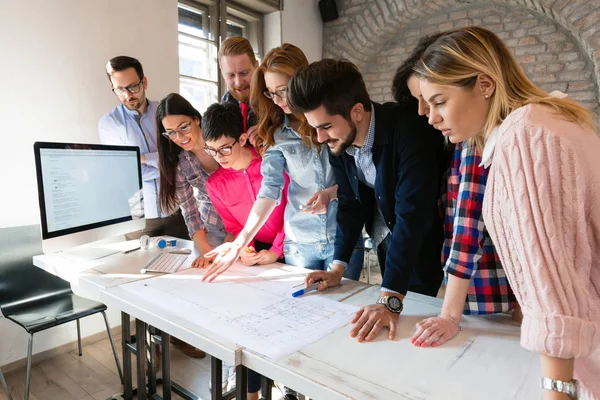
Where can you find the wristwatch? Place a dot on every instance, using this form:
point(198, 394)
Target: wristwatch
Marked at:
point(392, 303)
point(568, 388)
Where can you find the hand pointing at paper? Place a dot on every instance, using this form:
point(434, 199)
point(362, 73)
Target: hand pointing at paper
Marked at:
point(224, 256)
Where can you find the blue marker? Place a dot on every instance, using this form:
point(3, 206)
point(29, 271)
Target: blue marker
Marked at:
point(306, 290)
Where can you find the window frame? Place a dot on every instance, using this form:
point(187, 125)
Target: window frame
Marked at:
point(249, 20)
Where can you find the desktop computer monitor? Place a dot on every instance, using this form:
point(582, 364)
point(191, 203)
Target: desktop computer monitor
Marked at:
point(87, 192)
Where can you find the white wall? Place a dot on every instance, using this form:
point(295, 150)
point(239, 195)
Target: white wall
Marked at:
point(271, 31)
point(52, 81)
point(53, 88)
point(300, 24)
point(303, 27)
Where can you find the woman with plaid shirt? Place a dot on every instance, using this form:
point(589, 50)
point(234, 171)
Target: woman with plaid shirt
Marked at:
point(472, 266)
point(475, 281)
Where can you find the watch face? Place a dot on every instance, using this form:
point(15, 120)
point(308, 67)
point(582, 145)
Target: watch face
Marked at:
point(394, 303)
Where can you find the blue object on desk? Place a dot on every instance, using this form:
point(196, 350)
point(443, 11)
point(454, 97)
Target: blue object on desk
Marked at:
point(162, 243)
point(307, 289)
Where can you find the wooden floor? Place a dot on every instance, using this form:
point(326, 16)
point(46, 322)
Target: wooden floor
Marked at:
point(94, 376)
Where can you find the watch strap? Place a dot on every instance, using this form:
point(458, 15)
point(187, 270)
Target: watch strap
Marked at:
point(384, 300)
point(568, 388)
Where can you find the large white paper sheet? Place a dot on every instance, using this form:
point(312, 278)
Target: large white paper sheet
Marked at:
point(250, 306)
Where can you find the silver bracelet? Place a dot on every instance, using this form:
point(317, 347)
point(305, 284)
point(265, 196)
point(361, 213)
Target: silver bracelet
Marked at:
point(568, 388)
point(451, 319)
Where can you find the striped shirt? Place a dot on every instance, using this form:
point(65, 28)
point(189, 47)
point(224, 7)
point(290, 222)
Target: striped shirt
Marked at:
point(197, 209)
point(468, 251)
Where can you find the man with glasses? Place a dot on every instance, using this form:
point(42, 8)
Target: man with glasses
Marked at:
point(133, 123)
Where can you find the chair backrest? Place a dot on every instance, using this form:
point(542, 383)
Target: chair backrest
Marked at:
point(20, 280)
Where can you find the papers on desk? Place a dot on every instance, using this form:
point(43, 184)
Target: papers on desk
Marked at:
point(250, 306)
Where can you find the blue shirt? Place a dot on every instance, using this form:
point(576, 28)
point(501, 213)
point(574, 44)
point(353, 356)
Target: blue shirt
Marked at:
point(125, 127)
point(363, 156)
point(365, 168)
point(309, 171)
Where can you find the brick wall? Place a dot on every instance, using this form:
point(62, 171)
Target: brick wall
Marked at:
point(556, 42)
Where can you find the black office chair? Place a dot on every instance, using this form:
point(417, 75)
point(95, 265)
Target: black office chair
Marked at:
point(35, 299)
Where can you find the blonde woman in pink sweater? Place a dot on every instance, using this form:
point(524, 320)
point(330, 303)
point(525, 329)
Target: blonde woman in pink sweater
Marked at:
point(542, 200)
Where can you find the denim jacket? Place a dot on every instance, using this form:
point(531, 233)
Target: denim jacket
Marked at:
point(309, 171)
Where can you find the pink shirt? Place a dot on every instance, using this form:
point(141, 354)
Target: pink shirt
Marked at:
point(542, 210)
point(233, 194)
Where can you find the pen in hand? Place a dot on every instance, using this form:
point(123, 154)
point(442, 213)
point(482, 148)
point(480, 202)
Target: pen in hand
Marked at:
point(307, 289)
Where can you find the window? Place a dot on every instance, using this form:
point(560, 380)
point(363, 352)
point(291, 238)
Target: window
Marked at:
point(198, 51)
point(198, 71)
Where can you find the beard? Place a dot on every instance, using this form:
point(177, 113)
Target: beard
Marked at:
point(243, 97)
point(342, 144)
point(133, 103)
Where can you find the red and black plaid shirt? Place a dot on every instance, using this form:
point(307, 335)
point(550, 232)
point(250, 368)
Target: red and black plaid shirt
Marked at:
point(468, 251)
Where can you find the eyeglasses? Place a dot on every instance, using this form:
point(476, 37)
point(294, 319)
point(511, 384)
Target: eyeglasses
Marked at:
point(183, 131)
point(279, 93)
point(224, 151)
point(133, 89)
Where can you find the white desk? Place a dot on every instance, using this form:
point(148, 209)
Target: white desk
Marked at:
point(90, 278)
point(94, 279)
point(485, 361)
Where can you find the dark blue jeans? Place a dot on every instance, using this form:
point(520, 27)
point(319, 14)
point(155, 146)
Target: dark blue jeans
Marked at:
point(254, 381)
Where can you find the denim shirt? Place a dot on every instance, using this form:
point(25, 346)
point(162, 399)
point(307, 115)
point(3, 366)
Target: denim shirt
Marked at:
point(309, 171)
point(126, 128)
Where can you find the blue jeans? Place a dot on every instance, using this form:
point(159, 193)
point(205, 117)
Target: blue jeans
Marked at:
point(319, 256)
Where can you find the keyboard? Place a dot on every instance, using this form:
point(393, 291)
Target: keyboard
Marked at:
point(166, 263)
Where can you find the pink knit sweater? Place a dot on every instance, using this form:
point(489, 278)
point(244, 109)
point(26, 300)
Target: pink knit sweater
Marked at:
point(542, 210)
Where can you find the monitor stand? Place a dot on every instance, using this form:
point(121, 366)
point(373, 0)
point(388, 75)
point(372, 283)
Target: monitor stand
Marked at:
point(97, 250)
point(88, 253)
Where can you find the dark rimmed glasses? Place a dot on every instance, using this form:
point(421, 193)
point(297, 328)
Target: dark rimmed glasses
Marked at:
point(133, 89)
point(271, 95)
point(183, 131)
point(224, 151)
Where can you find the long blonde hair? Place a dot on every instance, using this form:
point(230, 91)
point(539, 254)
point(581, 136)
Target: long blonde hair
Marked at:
point(460, 56)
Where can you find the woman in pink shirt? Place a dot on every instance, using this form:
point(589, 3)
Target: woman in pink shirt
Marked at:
point(233, 188)
point(542, 200)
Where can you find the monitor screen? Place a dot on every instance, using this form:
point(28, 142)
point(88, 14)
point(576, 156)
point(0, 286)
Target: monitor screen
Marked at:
point(83, 187)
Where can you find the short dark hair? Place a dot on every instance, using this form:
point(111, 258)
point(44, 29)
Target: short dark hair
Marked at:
point(336, 84)
point(399, 84)
point(122, 63)
point(222, 120)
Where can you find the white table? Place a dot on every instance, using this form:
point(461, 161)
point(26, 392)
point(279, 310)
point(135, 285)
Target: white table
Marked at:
point(94, 279)
point(485, 361)
point(90, 278)
point(103, 279)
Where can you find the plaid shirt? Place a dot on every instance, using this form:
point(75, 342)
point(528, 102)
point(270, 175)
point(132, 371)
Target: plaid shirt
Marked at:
point(198, 211)
point(468, 250)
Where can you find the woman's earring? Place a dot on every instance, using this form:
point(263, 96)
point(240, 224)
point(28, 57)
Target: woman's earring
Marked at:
point(487, 96)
